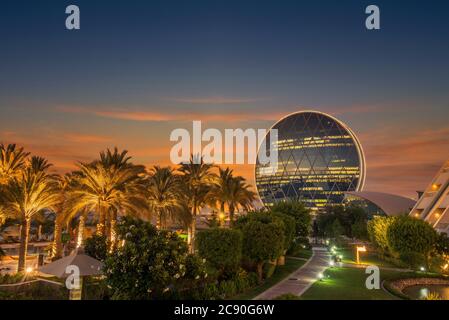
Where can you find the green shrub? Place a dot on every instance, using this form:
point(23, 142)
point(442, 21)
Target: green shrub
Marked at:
point(413, 260)
point(222, 248)
point(263, 238)
point(377, 231)
point(13, 278)
point(289, 229)
point(408, 234)
point(301, 215)
point(150, 263)
point(287, 296)
point(96, 247)
point(227, 288)
point(268, 270)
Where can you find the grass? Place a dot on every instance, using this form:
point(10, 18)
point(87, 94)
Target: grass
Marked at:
point(280, 274)
point(368, 258)
point(303, 254)
point(348, 284)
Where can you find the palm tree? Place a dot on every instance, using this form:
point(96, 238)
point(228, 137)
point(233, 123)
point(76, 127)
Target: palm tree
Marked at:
point(63, 184)
point(25, 195)
point(109, 186)
point(220, 191)
point(195, 183)
point(232, 192)
point(163, 194)
point(240, 196)
point(12, 162)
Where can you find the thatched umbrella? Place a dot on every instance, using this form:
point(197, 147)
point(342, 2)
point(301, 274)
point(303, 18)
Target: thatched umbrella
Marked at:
point(63, 268)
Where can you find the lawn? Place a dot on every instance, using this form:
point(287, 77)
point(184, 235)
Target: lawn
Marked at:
point(303, 254)
point(368, 258)
point(280, 274)
point(348, 284)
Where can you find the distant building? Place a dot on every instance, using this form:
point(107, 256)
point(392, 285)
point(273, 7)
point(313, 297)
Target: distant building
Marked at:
point(319, 159)
point(433, 205)
point(379, 203)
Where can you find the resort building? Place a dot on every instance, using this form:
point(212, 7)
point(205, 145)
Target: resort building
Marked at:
point(379, 203)
point(433, 205)
point(319, 160)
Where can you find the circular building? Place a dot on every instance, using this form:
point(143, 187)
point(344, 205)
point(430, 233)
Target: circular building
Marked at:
point(319, 159)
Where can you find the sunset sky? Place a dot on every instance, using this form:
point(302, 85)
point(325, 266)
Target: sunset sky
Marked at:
point(139, 69)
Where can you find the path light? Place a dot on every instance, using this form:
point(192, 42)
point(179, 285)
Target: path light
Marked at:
point(422, 269)
point(320, 276)
point(360, 249)
point(332, 263)
point(29, 269)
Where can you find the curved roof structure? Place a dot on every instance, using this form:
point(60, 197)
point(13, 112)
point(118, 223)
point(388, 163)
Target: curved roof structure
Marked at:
point(391, 204)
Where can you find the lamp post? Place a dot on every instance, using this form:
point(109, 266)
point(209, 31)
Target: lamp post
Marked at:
point(360, 249)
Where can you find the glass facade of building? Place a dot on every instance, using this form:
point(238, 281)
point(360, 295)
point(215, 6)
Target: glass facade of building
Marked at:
point(319, 158)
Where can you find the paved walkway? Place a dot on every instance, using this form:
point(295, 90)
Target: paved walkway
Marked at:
point(299, 281)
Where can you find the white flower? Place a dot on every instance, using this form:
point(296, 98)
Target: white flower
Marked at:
point(197, 277)
point(177, 276)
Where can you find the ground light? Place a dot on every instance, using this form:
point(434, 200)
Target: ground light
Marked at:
point(320, 276)
point(422, 269)
point(29, 269)
point(331, 263)
point(360, 249)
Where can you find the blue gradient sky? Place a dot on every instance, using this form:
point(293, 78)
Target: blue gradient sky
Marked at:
point(138, 69)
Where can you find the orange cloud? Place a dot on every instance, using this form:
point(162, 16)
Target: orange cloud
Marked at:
point(214, 100)
point(173, 115)
point(404, 161)
point(85, 138)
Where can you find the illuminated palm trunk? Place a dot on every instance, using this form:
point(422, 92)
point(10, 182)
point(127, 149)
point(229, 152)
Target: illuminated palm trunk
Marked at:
point(24, 234)
point(81, 228)
point(112, 231)
point(101, 226)
point(57, 240)
point(231, 213)
point(191, 233)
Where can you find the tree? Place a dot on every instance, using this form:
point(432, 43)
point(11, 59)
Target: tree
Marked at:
point(96, 247)
point(196, 182)
point(149, 263)
point(289, 229)
point(222, 248)
point(109, 186)
point(262, 242)
point(163, 194)
point(409, 235)
point(442, 244)
point(299, 212)
point(263, 238)
point(62, 185)
point(336, 229)
point(25, 195)
point(359, 229)
point(377, 231)
point(12, 162)
point(231, 191)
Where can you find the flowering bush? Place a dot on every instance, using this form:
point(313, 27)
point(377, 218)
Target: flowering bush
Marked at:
point(149, 264)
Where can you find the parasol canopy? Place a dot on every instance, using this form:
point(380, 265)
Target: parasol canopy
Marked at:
point(87, 265)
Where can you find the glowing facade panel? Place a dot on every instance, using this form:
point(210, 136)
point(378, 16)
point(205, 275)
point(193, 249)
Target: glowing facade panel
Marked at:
point(319, 159)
